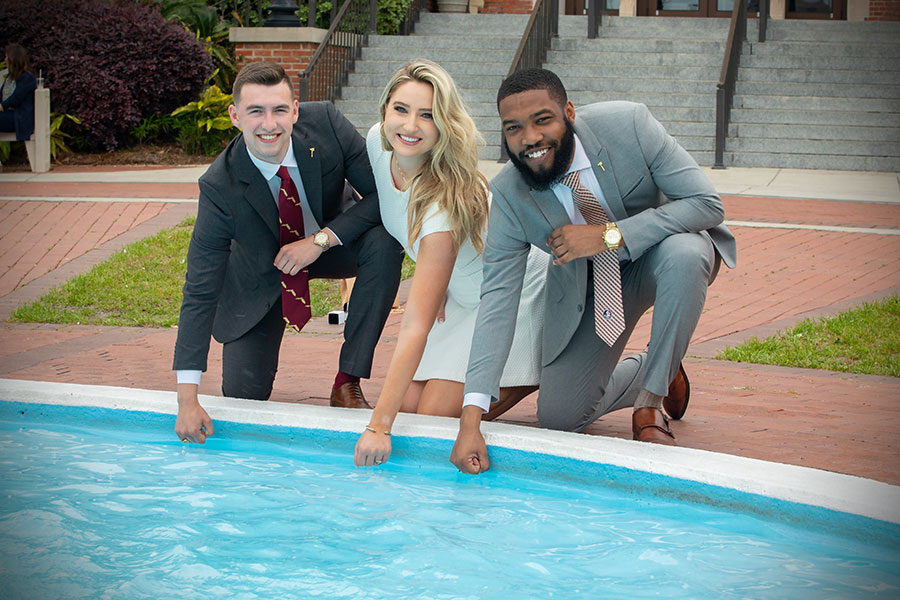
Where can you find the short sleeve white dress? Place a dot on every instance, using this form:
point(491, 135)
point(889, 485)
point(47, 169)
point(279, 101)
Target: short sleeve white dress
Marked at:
point(447, 349)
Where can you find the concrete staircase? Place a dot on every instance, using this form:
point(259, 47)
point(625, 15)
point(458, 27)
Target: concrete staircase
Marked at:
point(670, 64)
point(819, 95)
point(476, 50)
point(800, 102)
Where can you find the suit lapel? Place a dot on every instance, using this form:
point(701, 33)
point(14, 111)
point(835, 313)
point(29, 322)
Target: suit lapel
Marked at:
point(550, 207)
point(257, 193)
point(310, 172)
point(602, 167)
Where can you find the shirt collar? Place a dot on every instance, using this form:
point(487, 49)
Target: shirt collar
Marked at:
point(269, 170)
point(579, 159)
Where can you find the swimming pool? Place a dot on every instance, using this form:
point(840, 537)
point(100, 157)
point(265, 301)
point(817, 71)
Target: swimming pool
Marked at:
point(101, 502)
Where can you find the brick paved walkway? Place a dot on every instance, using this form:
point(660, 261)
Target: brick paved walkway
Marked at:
point(797, 258)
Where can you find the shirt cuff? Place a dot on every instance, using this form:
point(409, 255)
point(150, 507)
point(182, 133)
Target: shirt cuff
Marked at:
point(188, 376)
point(340, 243)
point(483, 401)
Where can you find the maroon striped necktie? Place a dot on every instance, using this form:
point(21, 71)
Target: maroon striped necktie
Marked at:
point(609, 316)
point(295, 305)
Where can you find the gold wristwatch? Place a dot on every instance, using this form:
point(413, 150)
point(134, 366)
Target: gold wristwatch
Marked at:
point(612, 236)
point(320, 239)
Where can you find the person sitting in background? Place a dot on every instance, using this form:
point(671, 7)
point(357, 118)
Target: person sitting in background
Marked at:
point(17, 85)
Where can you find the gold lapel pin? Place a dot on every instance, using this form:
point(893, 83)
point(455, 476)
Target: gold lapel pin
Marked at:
point(311, 152)
point(600, 164)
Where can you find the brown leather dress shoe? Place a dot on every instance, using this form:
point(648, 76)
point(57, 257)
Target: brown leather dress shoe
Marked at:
point(676, 402)
point(650, 425)
point(349, 395)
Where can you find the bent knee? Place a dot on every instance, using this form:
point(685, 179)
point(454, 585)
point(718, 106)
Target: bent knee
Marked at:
point(688, 255)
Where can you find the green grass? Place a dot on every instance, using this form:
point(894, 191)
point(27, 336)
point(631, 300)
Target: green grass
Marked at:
point(140, 286)
point(864, 340)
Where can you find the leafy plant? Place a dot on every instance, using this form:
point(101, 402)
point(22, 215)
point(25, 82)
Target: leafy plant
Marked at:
point(390, 15)
point(58, 137)
point(210, 111)
point(109, 63)
point(204, 125)
point(210, 28)
point(323, 14)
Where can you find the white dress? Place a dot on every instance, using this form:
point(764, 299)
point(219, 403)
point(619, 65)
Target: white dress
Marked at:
point(447, 349)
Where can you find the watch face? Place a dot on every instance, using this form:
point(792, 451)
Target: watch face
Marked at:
point(321, 238)
point(612, 237)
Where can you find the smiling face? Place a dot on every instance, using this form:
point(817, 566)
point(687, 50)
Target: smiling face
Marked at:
point(538, 135)
point(266, 115)
point(408, 120)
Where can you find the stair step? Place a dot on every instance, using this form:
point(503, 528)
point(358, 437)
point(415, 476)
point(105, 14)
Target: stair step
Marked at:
point(891, 105)
point(485, 24)
point(833, 90)
point(799, 116)
point(849, 76)
point(626, 87)
point(802, 146)
point(579, 98)
point(825, 49)
point(439, 55)
point(816, 132)
point(635, 59)
point(455, 68)
point(837, 31)
point(710, 73)
point(772, 61)
point(476, 43)
point(834, 162)
point(652, 45)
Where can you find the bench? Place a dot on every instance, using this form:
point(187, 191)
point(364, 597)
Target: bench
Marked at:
point(38, 147)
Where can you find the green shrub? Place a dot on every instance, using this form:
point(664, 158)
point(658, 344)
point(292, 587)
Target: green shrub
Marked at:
point(204, 126)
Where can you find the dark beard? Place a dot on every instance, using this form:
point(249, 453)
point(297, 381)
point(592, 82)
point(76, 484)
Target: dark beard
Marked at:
point(561, 160)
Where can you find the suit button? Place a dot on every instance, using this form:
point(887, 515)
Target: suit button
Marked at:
point(580, 308)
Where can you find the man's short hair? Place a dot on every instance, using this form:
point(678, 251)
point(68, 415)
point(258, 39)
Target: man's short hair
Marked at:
point(526, 80)
point(261, 73)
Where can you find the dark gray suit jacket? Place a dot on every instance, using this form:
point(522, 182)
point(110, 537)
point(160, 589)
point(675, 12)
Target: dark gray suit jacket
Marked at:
point(231, 282)
point(654, 188)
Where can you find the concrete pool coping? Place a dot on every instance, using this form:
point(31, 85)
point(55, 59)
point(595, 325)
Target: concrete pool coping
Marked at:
point(802, 485)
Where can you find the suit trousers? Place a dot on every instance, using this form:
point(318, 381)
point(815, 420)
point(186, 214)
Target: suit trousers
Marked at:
point(587, 380)
point(250, 362)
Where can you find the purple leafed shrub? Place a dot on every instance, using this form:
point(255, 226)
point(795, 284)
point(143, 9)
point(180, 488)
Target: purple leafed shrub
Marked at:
point(109, 63)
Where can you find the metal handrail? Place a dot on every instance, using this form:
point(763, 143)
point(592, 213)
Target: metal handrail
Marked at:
point(542, 27)
point(336, 55)
point(595, 10)
point(737, 33)
point(763, 15)
point(408, 25)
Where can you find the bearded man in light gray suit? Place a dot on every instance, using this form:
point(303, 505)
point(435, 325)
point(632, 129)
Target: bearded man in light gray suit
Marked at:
point(664, 224)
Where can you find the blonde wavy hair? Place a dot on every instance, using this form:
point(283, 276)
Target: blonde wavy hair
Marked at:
point(451, 178)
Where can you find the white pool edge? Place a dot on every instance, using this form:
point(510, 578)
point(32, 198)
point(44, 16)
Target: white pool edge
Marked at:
point(804, 485)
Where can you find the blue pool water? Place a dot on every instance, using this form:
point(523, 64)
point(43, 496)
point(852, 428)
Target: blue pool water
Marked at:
point(100, 504)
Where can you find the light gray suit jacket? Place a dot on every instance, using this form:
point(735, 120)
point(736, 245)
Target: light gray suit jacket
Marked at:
point(653, 188)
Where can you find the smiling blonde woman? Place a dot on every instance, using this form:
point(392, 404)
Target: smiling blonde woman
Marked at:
point(434, 201)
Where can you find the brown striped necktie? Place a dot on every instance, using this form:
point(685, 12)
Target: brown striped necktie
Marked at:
point(295, 304)
point(609, 316)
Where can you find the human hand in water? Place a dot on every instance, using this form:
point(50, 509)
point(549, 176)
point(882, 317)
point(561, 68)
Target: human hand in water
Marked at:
point(372, 449)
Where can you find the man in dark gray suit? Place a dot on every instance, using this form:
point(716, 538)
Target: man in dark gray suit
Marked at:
point(632, 223)
point(236, 260)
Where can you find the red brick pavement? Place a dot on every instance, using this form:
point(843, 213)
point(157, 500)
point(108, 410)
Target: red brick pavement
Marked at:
point(834, 421)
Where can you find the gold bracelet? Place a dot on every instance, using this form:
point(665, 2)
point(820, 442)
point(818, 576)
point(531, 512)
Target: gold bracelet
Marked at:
point(372, 429)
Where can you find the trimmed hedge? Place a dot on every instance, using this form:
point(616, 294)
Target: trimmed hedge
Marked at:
point(109, 63)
